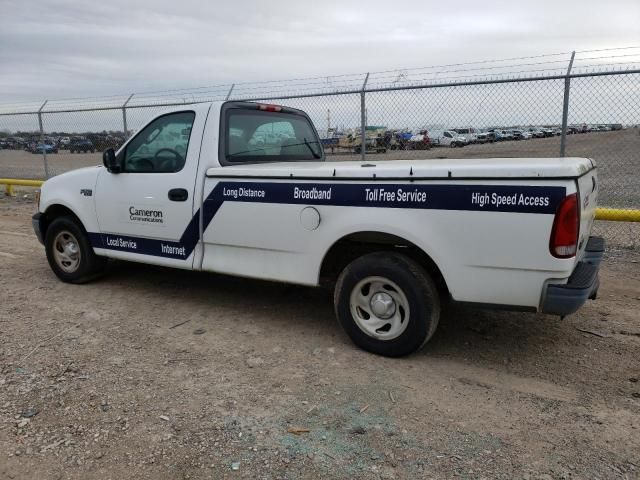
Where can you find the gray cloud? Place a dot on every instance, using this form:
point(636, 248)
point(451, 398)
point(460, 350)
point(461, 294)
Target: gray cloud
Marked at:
point(53, 49)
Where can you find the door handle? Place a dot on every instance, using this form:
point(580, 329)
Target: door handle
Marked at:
point(178, 194)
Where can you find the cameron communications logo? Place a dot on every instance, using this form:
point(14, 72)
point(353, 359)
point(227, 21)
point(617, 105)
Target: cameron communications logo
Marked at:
point(144, 215)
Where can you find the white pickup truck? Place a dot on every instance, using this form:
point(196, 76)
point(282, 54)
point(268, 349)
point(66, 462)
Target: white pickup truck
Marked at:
point(242, 188)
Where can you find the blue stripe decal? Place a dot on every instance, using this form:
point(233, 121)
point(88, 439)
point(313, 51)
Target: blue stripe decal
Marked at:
point(488, 198)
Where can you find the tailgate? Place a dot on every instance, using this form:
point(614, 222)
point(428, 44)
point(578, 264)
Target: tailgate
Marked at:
point(588, 193)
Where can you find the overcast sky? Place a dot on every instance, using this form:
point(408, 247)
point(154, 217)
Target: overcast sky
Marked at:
point(66, 48)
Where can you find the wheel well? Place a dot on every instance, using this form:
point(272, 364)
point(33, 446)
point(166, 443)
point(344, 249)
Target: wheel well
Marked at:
point(348, 248)
point(53, 212)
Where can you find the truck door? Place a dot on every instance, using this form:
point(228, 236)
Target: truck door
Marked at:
point(147, 208)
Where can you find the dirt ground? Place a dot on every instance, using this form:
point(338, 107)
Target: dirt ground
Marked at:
point(103, 381)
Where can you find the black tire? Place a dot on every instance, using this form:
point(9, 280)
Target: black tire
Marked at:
point(89, 265)
point(415, 285)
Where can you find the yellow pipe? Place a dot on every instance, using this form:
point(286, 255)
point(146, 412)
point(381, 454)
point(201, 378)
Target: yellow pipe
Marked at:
point(10, 182)
point(21, 182)
point(617, 215)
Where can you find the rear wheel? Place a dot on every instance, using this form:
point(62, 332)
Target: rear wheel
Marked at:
point(387, 304)
point(69, 253)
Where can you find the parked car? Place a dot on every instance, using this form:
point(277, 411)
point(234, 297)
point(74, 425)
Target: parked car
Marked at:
point(14, 143)
point(83, 145)
point(517, 134)
point(420, 141)
point(449, 138)
point(401, 140)
point(506, 134)
point(42, 148)
point(496, 135)
point(470, 134)
point(484, 137)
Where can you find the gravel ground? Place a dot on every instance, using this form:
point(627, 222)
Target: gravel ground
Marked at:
point(102, 381)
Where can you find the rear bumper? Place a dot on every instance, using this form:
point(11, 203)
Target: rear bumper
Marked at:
point(567, 298)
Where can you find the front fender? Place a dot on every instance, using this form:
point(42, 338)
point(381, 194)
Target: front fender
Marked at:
point(74, 191)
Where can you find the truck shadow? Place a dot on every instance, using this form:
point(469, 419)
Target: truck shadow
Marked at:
point(466, 333)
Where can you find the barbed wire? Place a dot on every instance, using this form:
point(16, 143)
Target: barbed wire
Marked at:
point(346, 82)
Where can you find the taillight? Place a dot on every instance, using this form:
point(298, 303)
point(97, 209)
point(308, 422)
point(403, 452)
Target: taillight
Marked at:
point(269, 108)
point(566, 228)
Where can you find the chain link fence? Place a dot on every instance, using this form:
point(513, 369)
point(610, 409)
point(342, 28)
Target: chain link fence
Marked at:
point(558, 106)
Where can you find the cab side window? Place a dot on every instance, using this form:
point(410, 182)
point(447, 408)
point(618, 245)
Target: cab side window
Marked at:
point(161, 147)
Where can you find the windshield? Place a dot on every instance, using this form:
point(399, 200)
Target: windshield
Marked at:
point(264, 136)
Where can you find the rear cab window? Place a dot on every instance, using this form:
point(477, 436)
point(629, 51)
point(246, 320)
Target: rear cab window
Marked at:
point(253, 133)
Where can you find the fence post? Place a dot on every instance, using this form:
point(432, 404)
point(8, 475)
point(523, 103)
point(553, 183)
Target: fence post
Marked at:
point(44, 150)
point(124, 117)
point(363, 120)
point(565, 106)
point(229, 94)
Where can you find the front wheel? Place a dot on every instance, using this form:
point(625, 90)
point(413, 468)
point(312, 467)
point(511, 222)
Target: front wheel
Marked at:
point(387, 304)
point(69, 253)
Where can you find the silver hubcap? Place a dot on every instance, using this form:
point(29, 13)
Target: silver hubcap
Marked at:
point(66, 252)
point(379, 308)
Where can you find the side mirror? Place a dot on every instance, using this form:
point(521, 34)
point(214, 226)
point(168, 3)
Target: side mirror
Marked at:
point(110, 161)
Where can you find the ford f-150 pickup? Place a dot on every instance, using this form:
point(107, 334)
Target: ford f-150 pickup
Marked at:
point(242, 188)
